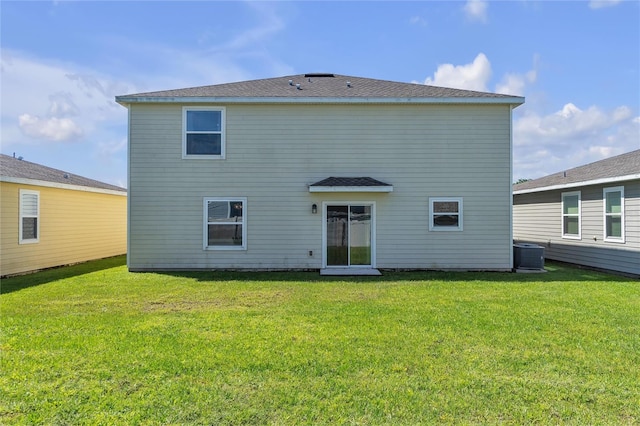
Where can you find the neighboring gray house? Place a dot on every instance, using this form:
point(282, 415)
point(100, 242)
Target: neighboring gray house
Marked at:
point(589, 215)
point(320, 172)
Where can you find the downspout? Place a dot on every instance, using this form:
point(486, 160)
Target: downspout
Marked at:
point(510, 187)
point(128, 106)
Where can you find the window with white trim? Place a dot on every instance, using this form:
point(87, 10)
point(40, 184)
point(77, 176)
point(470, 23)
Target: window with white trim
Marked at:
point(613, 200)
point(571, 215)
point(445, 214)
point(29, 226)
point(225, 223)
point(203, 134)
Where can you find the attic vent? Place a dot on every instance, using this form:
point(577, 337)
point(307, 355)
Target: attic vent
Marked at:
point(318, 74)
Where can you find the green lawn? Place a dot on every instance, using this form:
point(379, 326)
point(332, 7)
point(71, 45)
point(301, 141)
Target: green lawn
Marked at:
point(95, 344)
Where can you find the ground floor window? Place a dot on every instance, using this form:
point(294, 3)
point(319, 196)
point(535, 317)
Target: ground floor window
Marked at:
point(445, 214)
point(29, 226)
point(614, 214)
point(225, 223)
point(571, 220)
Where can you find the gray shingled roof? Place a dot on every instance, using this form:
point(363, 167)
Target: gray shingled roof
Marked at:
point(334, 86)
point(14, 168)
point(610, 168)
point(349, 181)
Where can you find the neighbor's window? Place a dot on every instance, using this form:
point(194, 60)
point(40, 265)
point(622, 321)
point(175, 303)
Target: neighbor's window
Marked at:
point(203, 135)
point(225, 223)
point(445, 214)
point(614, 214)
point(29, 226)
point(571, 221)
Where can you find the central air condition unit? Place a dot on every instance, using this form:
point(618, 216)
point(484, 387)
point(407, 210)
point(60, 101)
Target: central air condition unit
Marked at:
point(528, 256)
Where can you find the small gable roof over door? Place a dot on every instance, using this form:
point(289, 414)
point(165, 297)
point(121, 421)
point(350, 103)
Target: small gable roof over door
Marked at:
point(350, 184)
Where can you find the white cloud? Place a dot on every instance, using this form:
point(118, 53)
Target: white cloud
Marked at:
point(599, 4)
point(514, 84)
point(47, 100)
point(269, 25)
point(473, 76)
point(568, 124)
point(476, 10)
point(54, 129)
point(62, 105)
point(107, 149)
point(571, 136)
point(418, 20)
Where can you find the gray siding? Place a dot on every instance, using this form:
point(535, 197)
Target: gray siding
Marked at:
point(273, 152)
point(537, 219)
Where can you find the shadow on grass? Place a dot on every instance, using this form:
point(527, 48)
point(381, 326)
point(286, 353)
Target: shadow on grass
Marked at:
point(20, 282)
point(556, 272)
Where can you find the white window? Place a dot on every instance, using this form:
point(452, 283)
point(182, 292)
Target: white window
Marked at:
point(445, 214)
point(225, 223)
point(29, 226)
point(613, 200)
point(571, 218)
point(203, 133)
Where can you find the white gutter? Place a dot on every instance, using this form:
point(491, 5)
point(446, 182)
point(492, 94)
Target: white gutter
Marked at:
point(36, 182)
point(577, 184)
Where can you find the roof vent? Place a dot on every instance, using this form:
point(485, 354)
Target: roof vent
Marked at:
point(290, 82)
point(318, 74)
point(66, 176)
point(298, 86)
point(348, 84)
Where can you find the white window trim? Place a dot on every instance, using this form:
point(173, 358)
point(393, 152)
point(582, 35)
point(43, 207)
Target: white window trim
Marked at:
point(205, 220)
point(223, 133)
point(432, 227)
point(620, 239)
point(22, 215)
point(562, 215)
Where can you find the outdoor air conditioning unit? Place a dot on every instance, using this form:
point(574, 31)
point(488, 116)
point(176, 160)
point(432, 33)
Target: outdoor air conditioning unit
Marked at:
point(528, 256)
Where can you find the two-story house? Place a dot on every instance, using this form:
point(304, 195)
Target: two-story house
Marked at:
point(320, 172)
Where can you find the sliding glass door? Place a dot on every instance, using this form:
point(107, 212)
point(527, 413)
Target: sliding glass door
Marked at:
point(349, 235)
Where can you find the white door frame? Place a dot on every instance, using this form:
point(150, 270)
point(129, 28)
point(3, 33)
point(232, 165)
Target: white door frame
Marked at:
point(373, 232)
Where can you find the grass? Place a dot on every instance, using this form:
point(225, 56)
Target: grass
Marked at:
point(95, 344)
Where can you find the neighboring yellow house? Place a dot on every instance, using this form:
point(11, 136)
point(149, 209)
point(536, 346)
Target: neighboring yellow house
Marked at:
point(51, 218)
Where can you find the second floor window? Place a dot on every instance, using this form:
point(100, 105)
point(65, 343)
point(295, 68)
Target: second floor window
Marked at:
point(203, 132)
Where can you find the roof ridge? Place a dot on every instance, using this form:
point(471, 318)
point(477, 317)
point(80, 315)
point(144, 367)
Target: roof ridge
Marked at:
point(318, 86)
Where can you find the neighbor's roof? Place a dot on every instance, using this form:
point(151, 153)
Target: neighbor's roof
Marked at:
point(318, 87)
point(615, 169)
point(21, 171)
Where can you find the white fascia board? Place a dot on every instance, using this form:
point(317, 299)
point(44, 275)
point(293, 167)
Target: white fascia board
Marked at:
point(351, 188)
point(124, 100)
point(36, 182)
point(578, 184)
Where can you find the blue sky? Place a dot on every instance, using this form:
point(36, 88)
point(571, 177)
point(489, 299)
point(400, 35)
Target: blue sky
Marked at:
point(577, 63)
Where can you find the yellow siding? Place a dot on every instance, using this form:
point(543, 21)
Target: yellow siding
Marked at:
point(75, 226)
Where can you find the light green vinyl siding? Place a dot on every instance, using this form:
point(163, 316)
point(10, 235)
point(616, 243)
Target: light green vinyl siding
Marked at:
point(273, 152)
